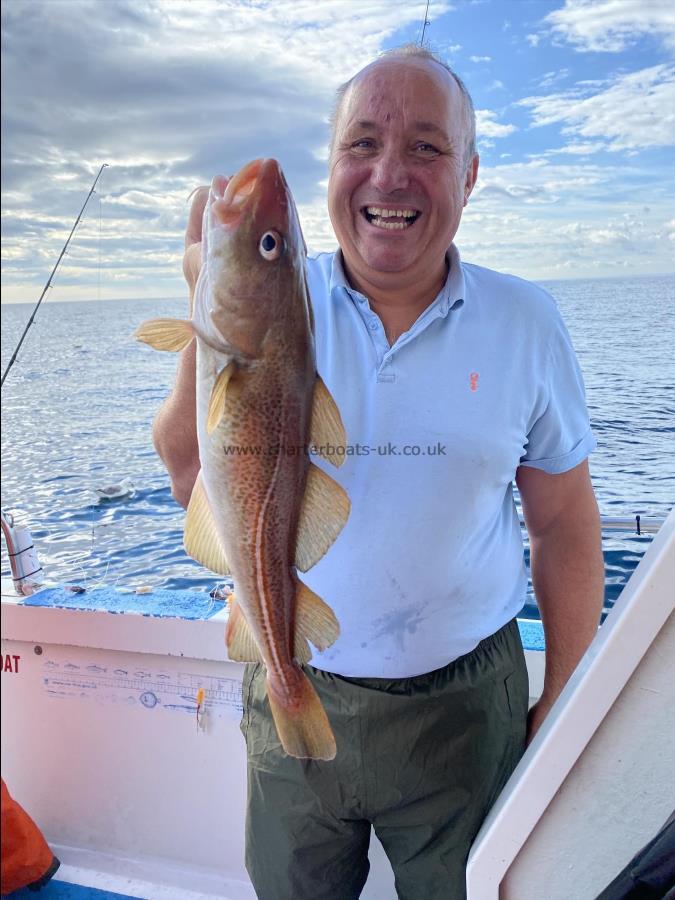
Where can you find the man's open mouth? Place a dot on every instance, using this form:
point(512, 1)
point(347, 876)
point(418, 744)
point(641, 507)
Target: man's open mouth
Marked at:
point(392, 219)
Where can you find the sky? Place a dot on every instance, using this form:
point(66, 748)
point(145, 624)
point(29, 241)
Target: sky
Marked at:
point(575, 104)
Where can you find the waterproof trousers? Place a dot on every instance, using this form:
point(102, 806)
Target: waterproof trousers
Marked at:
point(421, 760)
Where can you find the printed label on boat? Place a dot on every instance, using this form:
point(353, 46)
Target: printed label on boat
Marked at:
point(143, 687)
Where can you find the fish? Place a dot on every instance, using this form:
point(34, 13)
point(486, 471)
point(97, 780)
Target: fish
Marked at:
point(260, 509)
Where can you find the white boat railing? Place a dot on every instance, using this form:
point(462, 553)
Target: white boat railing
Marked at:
point(638, 616)
point(637, 524)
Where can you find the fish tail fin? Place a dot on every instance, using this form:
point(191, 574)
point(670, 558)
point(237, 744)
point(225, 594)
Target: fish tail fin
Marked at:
point(303, 727)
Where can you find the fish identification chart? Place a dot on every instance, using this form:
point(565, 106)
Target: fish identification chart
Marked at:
point(142, 686)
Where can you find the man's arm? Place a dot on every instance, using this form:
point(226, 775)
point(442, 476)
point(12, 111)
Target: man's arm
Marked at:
point(174, 431)
point(568, 575)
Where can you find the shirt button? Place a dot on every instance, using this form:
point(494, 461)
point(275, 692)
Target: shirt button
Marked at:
point(373, 326)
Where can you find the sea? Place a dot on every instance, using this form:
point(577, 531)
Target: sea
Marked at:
point(78, 404)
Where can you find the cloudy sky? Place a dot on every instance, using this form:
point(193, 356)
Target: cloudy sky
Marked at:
point(576, 123)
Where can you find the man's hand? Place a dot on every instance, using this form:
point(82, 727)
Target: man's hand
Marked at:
point(174, 431)
point(536, 716)
point(568, 572)
point(192, 259)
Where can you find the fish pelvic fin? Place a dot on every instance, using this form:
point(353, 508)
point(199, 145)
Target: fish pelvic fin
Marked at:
point(241, 645)
point(324, 511)
point(326, 428)
point(314, 619)
point(217, 401)
point(166, 334)
point(303, 728)
point(200, 536)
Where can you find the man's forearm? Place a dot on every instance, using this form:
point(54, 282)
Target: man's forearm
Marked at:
point(568, 577)
point(174, 431)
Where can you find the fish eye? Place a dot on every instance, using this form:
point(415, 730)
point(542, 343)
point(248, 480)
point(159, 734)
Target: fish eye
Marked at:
point(271, 245)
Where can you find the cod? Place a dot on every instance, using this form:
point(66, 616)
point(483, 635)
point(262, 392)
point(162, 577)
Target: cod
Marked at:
point(260, 509)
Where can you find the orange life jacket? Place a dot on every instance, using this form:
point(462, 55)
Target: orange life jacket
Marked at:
point(26, 857)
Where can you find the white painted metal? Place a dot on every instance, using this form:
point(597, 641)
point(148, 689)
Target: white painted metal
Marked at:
point(616, 798)
point(131, 795)
point(628, 636)
point(23, 559)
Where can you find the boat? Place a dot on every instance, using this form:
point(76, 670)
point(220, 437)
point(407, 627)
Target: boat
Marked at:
point(121, 738)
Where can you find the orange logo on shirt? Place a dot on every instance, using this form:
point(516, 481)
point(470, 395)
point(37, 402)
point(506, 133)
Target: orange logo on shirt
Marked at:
point(473, 381)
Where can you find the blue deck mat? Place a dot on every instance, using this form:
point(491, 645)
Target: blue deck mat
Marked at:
point(161, 603)
point(60, 890)
point(186, 605)
point(531, 634)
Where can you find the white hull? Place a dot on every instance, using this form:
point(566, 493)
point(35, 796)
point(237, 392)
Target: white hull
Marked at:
point(102, 746)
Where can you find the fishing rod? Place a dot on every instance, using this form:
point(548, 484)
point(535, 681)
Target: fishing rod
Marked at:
point(426, 22)
point(49, 280)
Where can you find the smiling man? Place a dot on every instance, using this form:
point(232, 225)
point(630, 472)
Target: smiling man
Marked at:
point(403, 164)
point(454, 382)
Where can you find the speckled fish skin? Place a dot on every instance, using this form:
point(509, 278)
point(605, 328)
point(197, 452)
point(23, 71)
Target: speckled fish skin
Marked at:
point(262, 309)
point(256, 311)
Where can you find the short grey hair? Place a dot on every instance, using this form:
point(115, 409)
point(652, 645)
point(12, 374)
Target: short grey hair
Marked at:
point(414, 51)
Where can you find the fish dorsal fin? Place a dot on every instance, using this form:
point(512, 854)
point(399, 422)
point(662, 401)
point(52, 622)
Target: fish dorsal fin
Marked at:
point(200, 537)
point(217, 401)
point(166, 334)
point(241, 645)
point(324, 511)
point(326, 427)
point(314, 619)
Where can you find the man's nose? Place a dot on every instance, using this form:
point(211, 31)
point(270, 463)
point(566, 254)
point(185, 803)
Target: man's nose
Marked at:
point(390, 171)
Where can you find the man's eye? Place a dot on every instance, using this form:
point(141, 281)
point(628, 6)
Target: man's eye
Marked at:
point(363, 144)
point(426, 148)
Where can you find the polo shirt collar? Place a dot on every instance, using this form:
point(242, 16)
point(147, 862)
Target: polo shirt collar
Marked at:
point(451, 295)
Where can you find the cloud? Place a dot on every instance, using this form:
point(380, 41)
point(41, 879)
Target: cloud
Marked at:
point(565, 220)
point(612, 25)
point(487, 127)
point(636, 111)
point(169, 94)
point(550, 78)
point(480, 59)
point(580, 148)
point(533, 39)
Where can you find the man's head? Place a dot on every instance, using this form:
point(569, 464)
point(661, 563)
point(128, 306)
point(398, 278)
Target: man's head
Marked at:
point(404, 143)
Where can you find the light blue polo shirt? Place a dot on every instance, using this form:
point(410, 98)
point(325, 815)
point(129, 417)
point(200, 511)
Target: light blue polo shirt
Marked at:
point(430, 561)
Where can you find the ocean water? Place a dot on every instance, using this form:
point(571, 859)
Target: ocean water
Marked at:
point(77, 409)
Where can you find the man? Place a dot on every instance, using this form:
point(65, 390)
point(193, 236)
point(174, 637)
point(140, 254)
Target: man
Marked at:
point(453, 381)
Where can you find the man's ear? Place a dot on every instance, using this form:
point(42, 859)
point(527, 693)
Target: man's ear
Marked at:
point(470, 177)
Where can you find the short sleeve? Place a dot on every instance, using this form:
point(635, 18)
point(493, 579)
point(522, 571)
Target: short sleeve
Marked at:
point(560, 436)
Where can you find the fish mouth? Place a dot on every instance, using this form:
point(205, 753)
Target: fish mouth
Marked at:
point(232, 197)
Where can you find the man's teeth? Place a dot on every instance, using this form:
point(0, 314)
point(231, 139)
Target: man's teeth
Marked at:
point(376, 216)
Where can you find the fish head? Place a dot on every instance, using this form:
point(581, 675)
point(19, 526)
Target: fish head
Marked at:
point(253, 265)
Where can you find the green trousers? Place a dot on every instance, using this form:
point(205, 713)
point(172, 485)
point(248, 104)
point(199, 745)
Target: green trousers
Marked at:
point(421, 760)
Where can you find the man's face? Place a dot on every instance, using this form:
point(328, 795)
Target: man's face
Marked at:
point(399, 147)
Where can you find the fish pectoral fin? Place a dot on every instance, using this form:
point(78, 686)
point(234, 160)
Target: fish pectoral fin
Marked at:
point(314, 619)
point(217, 401)
point(200, 536)
point(324, 511)
point(241, 645)
point(326, 427)
point(166, 334)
